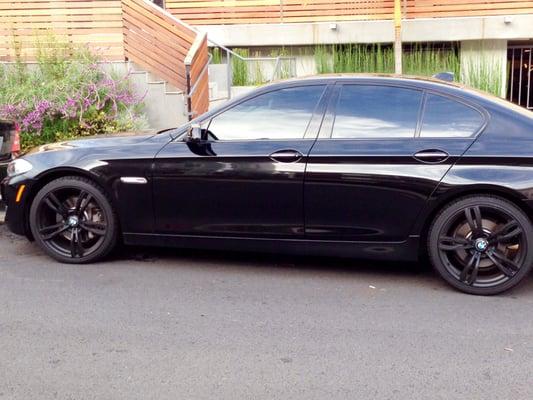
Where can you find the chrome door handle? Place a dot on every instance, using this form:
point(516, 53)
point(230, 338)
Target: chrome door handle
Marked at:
point(431, 156)
point(286, 156)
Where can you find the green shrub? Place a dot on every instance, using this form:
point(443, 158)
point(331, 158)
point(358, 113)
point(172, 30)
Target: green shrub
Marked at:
point(66, 94)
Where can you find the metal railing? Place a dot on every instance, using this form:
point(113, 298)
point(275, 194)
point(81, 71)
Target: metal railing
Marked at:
point(520, 76)
point(230, 53)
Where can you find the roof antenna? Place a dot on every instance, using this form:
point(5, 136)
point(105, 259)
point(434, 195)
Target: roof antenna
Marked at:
point(445, 76)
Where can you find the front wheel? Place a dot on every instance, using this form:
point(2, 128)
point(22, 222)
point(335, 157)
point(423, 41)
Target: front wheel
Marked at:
point(73, 221)
point(481, 245)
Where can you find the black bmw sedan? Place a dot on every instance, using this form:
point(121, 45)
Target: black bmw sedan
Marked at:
point(376, 167)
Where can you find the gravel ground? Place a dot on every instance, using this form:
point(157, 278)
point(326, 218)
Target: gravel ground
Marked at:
point(173, 324)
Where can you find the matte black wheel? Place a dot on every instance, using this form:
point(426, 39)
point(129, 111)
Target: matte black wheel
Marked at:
point(73, 221)
point(481, 245)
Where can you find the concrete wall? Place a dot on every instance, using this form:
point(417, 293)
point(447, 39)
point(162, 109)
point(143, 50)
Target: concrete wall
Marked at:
point(513, 27)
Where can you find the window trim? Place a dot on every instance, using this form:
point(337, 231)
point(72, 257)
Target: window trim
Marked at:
point(320, 108)
point(485, 116)
point(333, 109)
point(326, 132)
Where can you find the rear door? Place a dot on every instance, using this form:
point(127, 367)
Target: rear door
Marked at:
point(381, 152)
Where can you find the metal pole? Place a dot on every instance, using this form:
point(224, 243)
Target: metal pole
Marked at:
point(229, 76)
point(397, 37)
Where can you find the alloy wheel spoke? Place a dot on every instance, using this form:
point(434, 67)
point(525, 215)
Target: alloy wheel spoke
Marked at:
point(97, 228)
point(504, 264)
point(473, 217)
point(82, 202)
point(449, 243)
point(507, 232)
point(76, 249)
point(469, 272)
point(53, 202)
point(51, 232)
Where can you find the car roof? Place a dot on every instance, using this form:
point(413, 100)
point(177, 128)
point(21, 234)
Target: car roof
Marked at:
point(376, 77)
point(422, 82)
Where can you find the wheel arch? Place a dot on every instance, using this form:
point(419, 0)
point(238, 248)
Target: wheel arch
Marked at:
point(51, 175)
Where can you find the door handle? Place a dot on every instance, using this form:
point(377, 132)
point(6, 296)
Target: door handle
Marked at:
point(286, 156)
point(431, 156)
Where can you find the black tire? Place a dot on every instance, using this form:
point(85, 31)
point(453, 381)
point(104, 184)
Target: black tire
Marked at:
point(481, 244)
point(73, 220)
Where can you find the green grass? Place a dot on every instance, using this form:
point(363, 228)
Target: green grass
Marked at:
point(418, 59)
point(258, 76)
point(241, 75)
point(484, 74)
point(216, 55)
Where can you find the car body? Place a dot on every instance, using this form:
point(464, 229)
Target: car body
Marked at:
point(356, 166)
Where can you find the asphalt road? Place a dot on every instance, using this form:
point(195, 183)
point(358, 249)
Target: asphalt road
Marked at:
point(152, 324)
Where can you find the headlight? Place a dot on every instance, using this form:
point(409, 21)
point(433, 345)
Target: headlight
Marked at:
point(18, 167)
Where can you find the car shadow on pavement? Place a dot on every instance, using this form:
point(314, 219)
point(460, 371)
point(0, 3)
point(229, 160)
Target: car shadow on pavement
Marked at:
point(252, 261)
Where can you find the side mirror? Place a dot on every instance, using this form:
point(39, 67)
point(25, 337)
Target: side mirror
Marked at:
point(194, 133)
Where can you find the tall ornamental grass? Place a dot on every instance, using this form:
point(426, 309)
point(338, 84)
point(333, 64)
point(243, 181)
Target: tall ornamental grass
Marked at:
point(421, 60)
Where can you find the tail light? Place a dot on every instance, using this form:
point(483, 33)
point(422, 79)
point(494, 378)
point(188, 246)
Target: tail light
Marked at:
point(15, 146)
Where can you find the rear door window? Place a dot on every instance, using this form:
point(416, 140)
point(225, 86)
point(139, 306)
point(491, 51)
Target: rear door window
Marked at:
point(445, 117)
point(372, 111)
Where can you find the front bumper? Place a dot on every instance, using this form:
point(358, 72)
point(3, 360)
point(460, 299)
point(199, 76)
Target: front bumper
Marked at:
point(16, 213)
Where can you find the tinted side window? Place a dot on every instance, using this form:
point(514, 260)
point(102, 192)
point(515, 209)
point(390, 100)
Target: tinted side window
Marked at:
point(365, 111)
point(444, 117)
point(282, 114)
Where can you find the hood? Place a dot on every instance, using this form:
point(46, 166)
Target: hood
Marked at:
point(94, 142)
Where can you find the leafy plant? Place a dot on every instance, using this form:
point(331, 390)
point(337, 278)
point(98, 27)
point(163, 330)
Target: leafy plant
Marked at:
point(66, 94)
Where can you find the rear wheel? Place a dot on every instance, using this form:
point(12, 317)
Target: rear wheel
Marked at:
point(73, 221)
point(481, 244)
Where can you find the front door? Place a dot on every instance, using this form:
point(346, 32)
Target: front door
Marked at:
point(246, 179)
point(382, 151)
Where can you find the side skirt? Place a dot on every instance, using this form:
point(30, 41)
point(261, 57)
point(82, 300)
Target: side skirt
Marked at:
point(401, 251)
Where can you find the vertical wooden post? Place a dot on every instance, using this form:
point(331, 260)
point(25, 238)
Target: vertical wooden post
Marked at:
point(189, 94)
point(397, 37)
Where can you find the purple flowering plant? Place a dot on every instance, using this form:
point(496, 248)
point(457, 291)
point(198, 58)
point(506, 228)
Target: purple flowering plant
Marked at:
point(67, 95)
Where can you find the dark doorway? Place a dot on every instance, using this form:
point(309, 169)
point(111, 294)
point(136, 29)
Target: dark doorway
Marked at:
point(520, 70)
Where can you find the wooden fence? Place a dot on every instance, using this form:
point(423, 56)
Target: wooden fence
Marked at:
point(276, 11)
point(116, 29)
point(96, 24)
point(196, 64)
point(213, 12)
point(165, 46)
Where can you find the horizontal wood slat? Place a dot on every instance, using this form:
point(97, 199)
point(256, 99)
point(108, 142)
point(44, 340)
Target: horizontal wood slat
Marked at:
point(198, 85)
point(214, 12)
point(95, 24)
point(160, 43)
